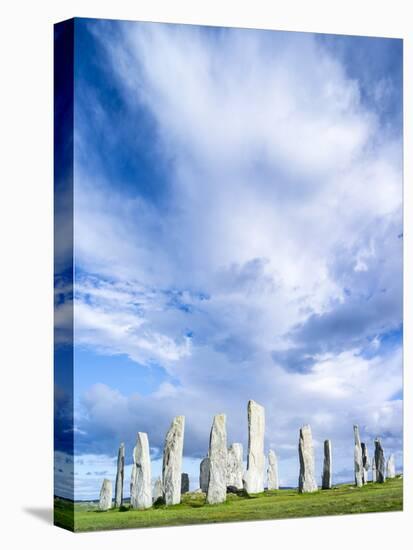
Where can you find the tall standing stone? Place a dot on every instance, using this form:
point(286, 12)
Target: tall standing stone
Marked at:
point(105, 497)
point(254, 475)
point(327, 466)
point(133, 475)
point(234, 466)
point(204, 474)
point(272, 471)
point(380, 462)
point(184, 483)
point(358, 458)
point(373, 469)
point(157, 493)
point(172, 461)
point(119, 476)
point(306, 480)
point(217, 486)
point(366, 462)
point(391, 467)
point(141, 498)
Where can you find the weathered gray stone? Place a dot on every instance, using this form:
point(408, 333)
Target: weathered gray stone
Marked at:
point(380, 462)
point(306, 480)
point(254, 475)
point(133, 475)
point(391, 467)
point(217, 486)
point(373, 469)
point(172, 461)
point(184, 483)
point(204, 474)
point(234, 466)
point(327, 466)
point(105, 497)
point(366, 462)
point(141, 498)
point(157, 492)
point(120, 472)
point(358, 458)
point(272, 471)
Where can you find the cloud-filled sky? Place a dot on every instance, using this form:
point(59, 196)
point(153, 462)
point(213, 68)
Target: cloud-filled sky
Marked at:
point(238, 235)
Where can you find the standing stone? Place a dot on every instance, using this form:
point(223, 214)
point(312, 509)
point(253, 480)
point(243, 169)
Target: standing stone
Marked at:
point(380, 462)
point(157, 493)
point(272, 471)
point(172, 461)
point(234, 466)
point(358, 458)
point(254, 476)
point(373, 469)
point(204, 474)
point(133, 476)
point(391, 468)
point(217, 486)
point(306, 480)
point(327, 466)
point(141, 498)
point(366, 462)
point(119, 476)
point(184, 484)
point(105, 497)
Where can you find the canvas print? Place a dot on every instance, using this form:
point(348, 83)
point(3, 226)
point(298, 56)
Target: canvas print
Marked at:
point(228, 274)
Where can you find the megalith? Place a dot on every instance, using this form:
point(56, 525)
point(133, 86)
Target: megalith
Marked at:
point(157, 493)
point(327, 466)
point(373, 469)
point(120, 472)
point(172, 461)
point(380, 462)
point(391, 467)
point(141, 498)
point(358, 458)
point(306, 480)
point(366, 462)
point(217, 486)
point(254, 475)
point(184, 483)
point(105, 497)
point(234, 466)
point(204, 474)
point(272, 471)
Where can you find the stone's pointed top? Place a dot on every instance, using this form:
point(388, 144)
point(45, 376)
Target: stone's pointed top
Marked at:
point(305, 430)
point(356, 434)
point(252, 403)
point(122, 446)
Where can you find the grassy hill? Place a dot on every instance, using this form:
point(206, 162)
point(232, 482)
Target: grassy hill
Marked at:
point(285, 503)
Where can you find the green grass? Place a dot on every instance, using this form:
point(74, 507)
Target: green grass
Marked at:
point(344, 499)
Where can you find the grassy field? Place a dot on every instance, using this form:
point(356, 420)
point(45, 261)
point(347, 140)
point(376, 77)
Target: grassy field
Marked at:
point(344, 499)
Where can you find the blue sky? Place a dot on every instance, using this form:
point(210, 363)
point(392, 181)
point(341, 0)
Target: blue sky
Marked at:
point(238, 222)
